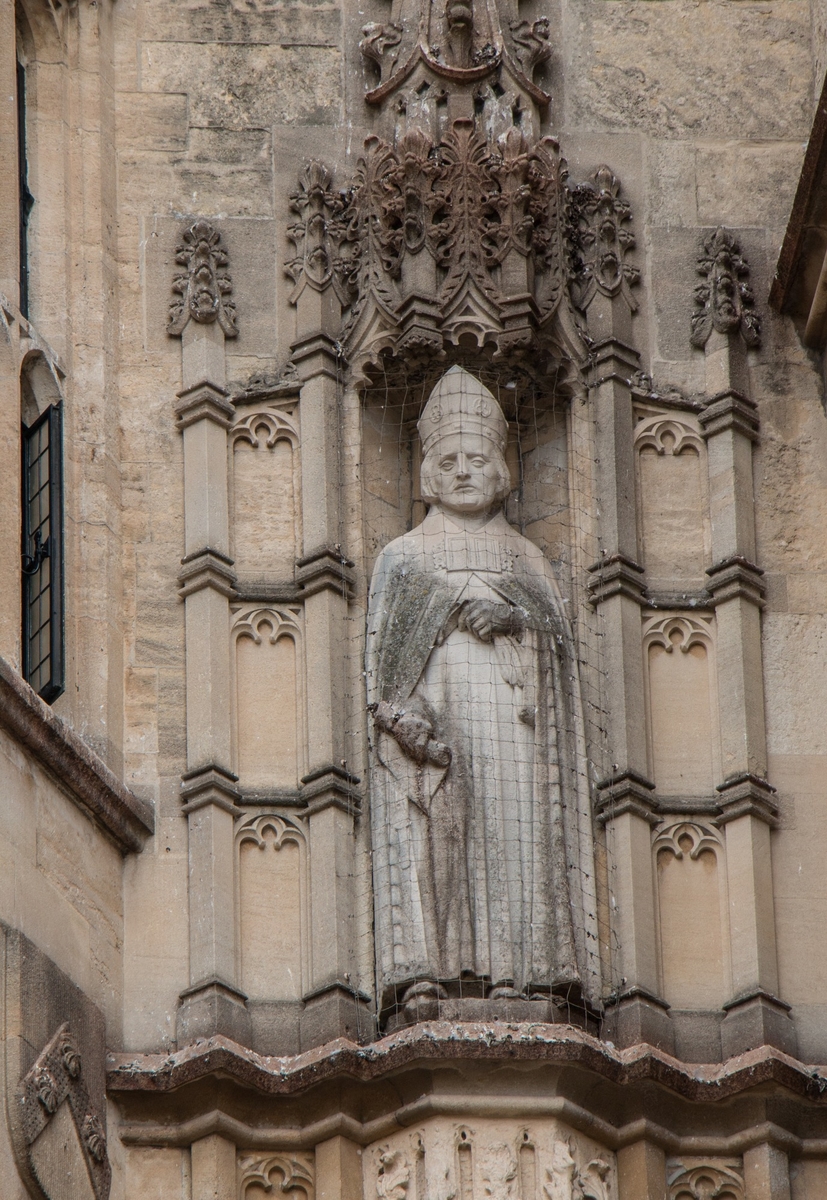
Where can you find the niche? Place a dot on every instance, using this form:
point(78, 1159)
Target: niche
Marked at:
point(671, 470)
point(682, 709)
point(268, 713)
point(692, 912)
point(265, 496)
point(272, 908)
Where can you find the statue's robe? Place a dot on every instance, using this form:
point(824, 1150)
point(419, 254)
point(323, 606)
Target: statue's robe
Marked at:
point(484, 869)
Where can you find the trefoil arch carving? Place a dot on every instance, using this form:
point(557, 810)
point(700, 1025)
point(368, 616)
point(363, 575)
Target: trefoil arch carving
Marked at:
point(276, 1174)
point(668, 433)
point(705, 1181)
point(679, 631)
point(252, 827)
point(283, 622)
point(273, 831)
point(276, 424)
point(687, 837)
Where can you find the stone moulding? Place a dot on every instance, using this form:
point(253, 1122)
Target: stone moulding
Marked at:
point(85, 778)
point(443, 1043)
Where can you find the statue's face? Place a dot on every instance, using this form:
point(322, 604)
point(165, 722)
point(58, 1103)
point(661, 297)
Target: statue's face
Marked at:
point(469, 474)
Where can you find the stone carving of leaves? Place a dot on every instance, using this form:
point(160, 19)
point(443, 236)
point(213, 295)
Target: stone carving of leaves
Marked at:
point(204, 288)
point(601, 241)
point(94, 1136)
point(46, 1090)
point(724, 300)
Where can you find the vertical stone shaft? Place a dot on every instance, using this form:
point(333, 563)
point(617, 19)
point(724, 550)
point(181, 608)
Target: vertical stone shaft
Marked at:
point(766, 1173)
point(641, 1172)
point(9, 176)
point(730, 424)
point(212, 1003)
point(213, 1165)
point(626, 801)
point(94, 693)
point(339, 1170)
point(10, 578)
point(9, 385)
point(325, 576)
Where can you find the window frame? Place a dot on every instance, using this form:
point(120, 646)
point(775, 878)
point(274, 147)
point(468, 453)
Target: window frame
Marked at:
point(54, 684)
point(25, 199)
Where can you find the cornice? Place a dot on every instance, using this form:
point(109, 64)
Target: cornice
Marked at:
point(445, 1043)
point(85, 778)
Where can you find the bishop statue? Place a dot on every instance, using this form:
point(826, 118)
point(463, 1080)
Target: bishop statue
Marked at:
point(480, 816)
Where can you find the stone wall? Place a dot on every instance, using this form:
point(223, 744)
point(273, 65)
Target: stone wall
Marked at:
point(274, 451)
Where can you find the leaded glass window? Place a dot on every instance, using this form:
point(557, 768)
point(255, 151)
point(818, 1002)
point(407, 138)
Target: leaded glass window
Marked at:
point(43, 555)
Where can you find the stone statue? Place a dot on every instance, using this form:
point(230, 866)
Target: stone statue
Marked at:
point(482, 836)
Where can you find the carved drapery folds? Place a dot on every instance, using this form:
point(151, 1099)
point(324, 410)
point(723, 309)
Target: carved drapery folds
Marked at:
point(204, 288)
point(724, 301)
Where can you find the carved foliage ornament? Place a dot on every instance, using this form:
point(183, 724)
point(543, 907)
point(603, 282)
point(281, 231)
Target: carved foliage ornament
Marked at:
point(204, 288)
point(55, 1078)
point(428, 229)
point(318, 233)
point(600, 241)
point(462, 41)
point(724, 301)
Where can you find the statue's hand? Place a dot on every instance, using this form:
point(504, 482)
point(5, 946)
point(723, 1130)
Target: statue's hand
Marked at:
point(484, 619)
point(413, 734)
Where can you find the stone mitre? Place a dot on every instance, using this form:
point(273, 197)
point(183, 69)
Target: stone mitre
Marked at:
point(461, 404)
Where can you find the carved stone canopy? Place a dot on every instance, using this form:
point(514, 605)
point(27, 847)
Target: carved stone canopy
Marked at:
point(468, 240)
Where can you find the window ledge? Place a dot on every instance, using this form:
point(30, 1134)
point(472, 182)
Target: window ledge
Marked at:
point(86, 779)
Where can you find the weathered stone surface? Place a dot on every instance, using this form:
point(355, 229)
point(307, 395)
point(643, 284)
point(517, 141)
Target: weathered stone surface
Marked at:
point(237, 87)
point(147, 115)
point(664, 68)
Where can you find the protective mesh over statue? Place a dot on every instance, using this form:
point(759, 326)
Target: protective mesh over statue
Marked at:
point(481, 827)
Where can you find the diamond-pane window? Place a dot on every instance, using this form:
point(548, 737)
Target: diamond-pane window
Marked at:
point(43, 555)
